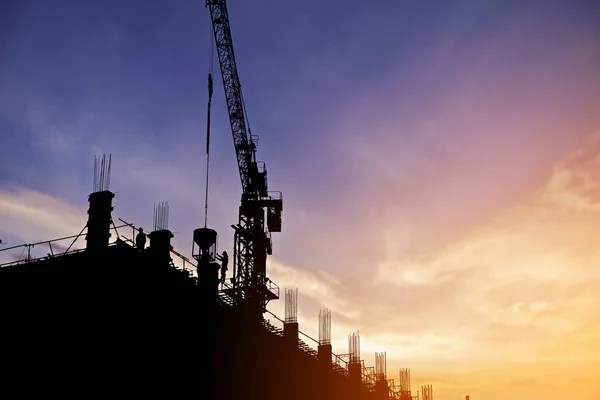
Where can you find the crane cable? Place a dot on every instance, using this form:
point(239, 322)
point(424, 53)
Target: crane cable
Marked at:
point(210, 93)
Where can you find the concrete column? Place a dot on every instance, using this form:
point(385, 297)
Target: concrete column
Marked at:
point(355, 373)
point(325, 354)
point(382, 390)
point(99, 220)
point(160, 242)
point(290, 333)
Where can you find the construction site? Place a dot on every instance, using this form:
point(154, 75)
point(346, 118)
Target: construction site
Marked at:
point(127, 313)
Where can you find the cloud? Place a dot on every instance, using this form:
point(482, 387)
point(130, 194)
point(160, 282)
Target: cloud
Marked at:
point(523, 280)
point(34, 216)
point(316, 285)
point(575, 182)
point(28, 216)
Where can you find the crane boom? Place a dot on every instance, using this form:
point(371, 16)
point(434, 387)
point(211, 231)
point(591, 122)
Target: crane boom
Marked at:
point(245, 148)
point(252, 240)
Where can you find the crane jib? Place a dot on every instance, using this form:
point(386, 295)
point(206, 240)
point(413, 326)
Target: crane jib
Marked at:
point(244, 146)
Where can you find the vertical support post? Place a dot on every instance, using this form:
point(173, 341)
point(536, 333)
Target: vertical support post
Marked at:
point(100, 209)
point(324, 350)
point(160, 237)
point(354, 366)
point(405, 392)
point(427, 392)
point(381, 385)
point(99, 220)
point(160, 244)
point(290, 326)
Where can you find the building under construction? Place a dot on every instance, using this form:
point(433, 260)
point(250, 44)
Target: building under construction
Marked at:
point(120, 316)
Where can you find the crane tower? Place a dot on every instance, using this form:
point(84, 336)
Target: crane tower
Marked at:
point(260, 210)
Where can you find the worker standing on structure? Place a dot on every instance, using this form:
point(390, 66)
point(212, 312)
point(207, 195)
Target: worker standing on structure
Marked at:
point(224, 262)
point(140, 239)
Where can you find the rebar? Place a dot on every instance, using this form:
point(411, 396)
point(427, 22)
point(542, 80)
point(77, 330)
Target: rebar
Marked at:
point(161, 216)
point(380, 365)
point(427, 392)
point(354, 346)
point(291, 305)
point(102, 169)
point(405, 382)
point(325, 326)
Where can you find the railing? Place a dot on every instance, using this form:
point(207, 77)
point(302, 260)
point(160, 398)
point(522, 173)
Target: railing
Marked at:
point(272, 328)
point(226, 299)
point(272, 287)
point(369, 377)
point(275, 195)
point(52, 245)
point(338, 363)
point(186, 263)
point(394, 390)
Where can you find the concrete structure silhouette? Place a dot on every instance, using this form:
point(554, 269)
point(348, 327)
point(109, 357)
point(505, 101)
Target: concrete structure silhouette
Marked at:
point(151, 321)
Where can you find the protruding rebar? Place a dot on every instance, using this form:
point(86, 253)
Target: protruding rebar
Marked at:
point(291, 305)
point(427, 392)
point(405, 382)
point(354, 347)
point(161, 216)
point(325, 326)
point(102, 168)
point(380, 366)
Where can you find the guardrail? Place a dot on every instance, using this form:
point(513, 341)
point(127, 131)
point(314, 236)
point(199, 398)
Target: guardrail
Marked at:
point(337, 360)
point(186, 264)
point(52, 245)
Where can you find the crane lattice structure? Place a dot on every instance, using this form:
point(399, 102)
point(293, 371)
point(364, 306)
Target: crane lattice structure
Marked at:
point(252, 239)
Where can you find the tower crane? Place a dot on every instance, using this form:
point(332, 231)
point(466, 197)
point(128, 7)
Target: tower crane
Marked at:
point(252, 238)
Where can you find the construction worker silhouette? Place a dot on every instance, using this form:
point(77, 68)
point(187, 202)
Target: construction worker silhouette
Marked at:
point(224, 262)
point(140, 239)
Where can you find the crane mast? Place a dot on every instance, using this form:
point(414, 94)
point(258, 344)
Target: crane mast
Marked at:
point(252, 238)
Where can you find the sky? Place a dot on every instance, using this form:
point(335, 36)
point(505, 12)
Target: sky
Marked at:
point(439, 162)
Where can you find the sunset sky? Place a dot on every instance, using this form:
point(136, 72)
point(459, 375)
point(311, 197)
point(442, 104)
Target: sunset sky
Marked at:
point(439, 162)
